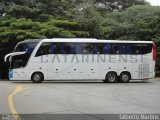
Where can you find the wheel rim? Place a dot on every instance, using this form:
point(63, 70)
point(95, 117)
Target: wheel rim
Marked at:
point(125, 77)
point(111, 78)
point(36, 77)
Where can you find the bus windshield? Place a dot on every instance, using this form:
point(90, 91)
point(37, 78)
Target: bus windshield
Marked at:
point(28, 47)
point(21, 60)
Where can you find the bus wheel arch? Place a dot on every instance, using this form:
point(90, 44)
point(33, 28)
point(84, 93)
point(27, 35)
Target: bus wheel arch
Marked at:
point(111, 77)
point(37, 77)
point(124, 77)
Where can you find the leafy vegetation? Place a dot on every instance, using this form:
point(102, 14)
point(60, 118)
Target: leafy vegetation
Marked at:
point(102, 19)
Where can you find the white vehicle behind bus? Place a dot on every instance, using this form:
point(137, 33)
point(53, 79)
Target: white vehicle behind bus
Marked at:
point(82, 59)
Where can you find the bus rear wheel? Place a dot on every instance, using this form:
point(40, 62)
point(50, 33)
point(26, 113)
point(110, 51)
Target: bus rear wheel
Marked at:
point(111, 77)
point(124, 77)
point(37, 77)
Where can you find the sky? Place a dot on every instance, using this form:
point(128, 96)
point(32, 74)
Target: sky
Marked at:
point(154, 2)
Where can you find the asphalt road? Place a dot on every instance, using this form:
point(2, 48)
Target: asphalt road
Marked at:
point(69, 97)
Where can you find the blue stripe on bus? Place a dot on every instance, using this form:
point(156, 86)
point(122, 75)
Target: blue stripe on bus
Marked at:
point(10, 74)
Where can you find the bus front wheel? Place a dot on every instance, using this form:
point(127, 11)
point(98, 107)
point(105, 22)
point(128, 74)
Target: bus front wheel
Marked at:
point(111, 77)
point(37, 77)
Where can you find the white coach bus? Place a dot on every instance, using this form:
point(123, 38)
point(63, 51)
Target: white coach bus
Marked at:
point(82, 59)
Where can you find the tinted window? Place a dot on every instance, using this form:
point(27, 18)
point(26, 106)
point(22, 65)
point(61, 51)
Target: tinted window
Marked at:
point(67, 48)
point(88, 48)
point(20, 48)
point(57, 48)
point(107, 48)
point(97, 48)
point(77, 48)
point(141, 48)
point(93, 48)
point(115, 49)
point(128, 48)
point(44, 49)
point(118, 48)
point(146, 48)
point(82, 48)
point(136, 49)
point(28, 47)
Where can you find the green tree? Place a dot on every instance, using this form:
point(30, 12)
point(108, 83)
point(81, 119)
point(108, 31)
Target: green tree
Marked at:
point(4, 6)
point(136, 23)
point(89, 19)
point(19, 11)
point(117, 5)
point(59, 8)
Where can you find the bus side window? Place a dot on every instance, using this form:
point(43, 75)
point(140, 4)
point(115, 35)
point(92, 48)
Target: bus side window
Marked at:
point(146, 48)
point(73, 48)
point(57, 48)
point(67, 48)
point(78, 48)
point(44, 49)
point(87, 48)
point(52, 48)
point(115, 49)
point(95, 49)
point(62, 48)
point(122, 49)
point(99, 48)
point(83, 49)
point(136, 49)
point(107, 48)
point(128, 49)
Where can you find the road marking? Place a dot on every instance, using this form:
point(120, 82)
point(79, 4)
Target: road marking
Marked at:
point(18, 89)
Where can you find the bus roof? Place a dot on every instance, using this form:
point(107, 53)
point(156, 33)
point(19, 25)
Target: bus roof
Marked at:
point(91, 40)
point(31, 41)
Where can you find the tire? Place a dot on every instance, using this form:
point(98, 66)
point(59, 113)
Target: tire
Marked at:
point(111, 77)
point(37, 77)
point(124, 77)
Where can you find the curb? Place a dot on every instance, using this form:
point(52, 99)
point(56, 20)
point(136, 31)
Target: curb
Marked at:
point(157, 78)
